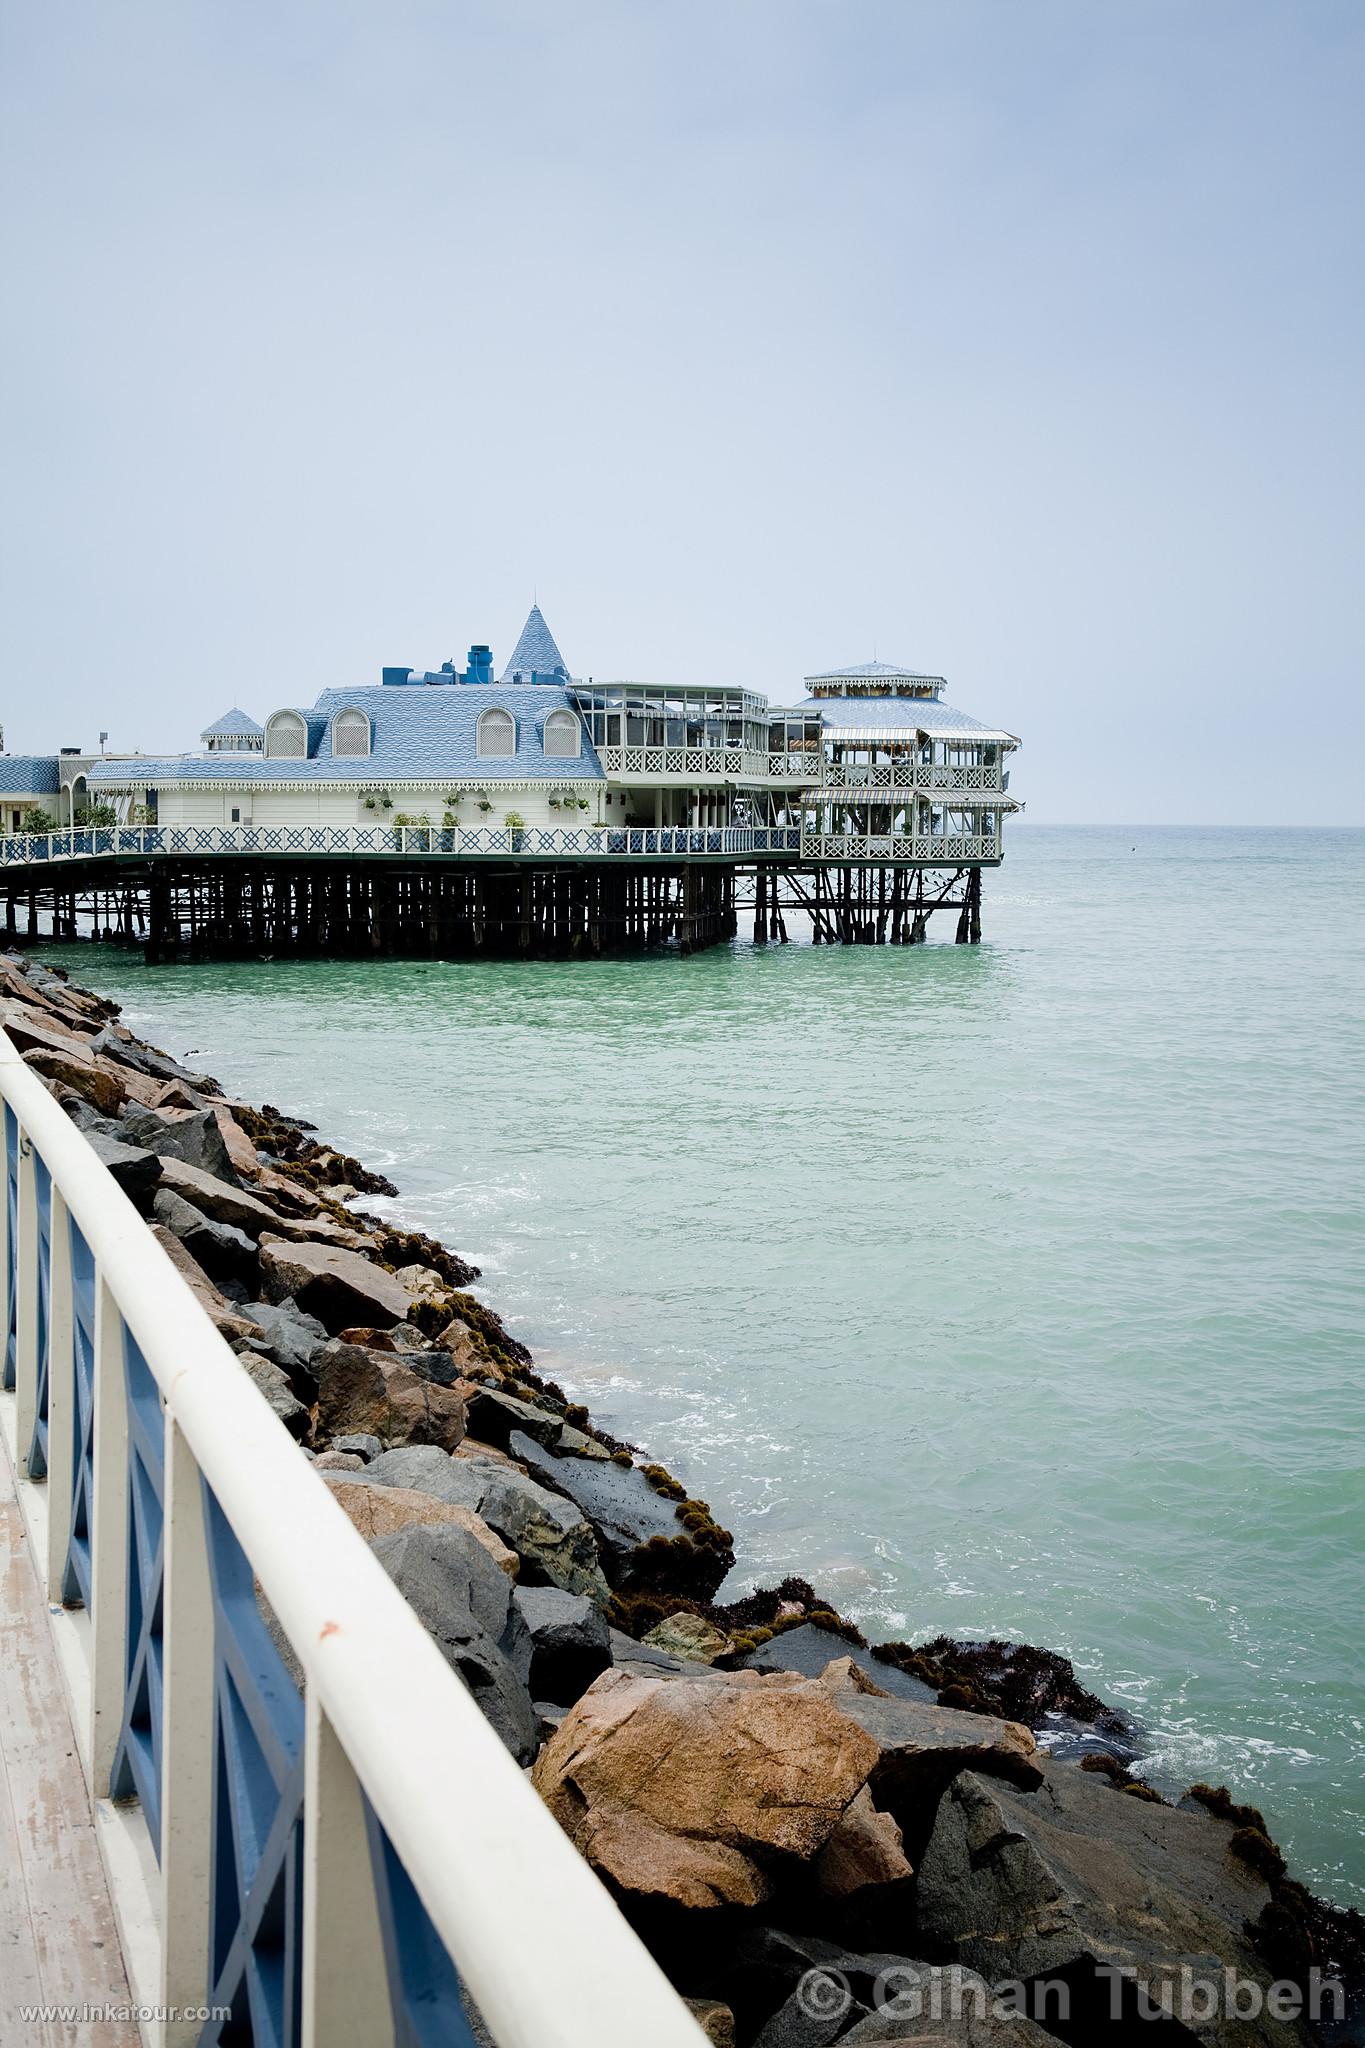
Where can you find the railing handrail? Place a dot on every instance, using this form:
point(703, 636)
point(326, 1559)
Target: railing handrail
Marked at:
point(494, 1871)
point(435, 842)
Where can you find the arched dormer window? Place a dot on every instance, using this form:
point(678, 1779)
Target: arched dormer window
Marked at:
point(562, 737)
point(350, 733)
point(286, 736)
point(497, 734)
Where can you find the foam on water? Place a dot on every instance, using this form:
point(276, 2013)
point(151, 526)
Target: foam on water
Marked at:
point(1007, 1291)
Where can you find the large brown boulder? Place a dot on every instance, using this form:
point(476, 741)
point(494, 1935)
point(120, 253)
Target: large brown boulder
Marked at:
point(338, 1286)
point(1113, 1895)
point(98, 1085)
point(380, 1510)
point(698, 1790)
point(863, 1855)
point(42, 1030)
point(375, 1392)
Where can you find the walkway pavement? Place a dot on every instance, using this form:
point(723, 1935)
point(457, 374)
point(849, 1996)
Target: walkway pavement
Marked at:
point(58, 1943)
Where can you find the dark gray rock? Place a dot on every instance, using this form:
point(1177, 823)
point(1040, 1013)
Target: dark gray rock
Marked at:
point(626, 1651)
point(811, 2017)
point(136, 1170)
point(618, 1500)
point(553, 1540)
point(278, 1394)
point(569, 1643)
point(288, 1335)
point(763, 1970)
point(432, 1364)
point(950, 2008)
point(809, 1648)
point(427, 1469)
point(465, 1604)
point(224, 1252)
point(1076, 1879)
point(196, 1139)
point(359, 1441)
point(493, 1416)
point(83, 1114)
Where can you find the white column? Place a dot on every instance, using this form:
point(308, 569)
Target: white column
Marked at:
point(186, 1744)
point(61, 1397)
point(108, 1542)
point(345, 1973)
point(26, 1302)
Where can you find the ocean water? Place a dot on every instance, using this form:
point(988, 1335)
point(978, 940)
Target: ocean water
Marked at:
point(1014, 1291)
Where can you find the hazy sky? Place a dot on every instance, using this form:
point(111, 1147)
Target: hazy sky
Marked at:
point(1021, 340)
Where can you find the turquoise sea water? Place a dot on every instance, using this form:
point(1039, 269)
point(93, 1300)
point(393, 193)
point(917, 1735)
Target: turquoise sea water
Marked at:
point(1007, 1291)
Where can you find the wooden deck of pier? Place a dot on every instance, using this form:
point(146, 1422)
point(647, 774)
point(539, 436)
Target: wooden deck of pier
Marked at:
point(58, 1941)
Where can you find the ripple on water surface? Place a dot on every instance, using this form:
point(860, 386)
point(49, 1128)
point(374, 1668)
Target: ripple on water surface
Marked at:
point(1007, 1291)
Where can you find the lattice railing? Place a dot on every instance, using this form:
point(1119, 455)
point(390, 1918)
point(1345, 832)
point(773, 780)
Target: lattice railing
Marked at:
point(307, 1824)
point(925, 849)
point(557, 841)
point(962, 778)
point(531, 842)
point(707, 764)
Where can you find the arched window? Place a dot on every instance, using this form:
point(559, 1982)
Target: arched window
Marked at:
point(497, 733)
point(562, 736)
point(286, 736)
point(350, 733)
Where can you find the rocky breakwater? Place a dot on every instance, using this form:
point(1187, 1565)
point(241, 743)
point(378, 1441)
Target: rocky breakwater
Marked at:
point(822, 1840)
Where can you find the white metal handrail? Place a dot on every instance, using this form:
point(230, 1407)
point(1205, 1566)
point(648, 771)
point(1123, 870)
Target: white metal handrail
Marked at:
point(391, 1739)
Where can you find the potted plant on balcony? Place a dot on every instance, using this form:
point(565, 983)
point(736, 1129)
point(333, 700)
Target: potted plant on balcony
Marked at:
point(516, 826)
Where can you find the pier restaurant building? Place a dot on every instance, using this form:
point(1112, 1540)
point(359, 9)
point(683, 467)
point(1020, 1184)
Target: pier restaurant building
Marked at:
point(870, 753)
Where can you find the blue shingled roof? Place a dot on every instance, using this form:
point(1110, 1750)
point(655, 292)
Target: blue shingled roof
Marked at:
point(536, 653)
point(29, 775)
point(426, 733)
point(231, 722)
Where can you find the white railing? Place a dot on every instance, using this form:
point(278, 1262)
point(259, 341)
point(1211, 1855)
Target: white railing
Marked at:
point(964, 778)
point(902, 775)
point(924, 849)
point(582, 842)
point(328, 1855)
point(662, 842)
point(705, 764)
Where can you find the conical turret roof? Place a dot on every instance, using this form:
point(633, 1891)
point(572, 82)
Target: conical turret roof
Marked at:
point(535, 653)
